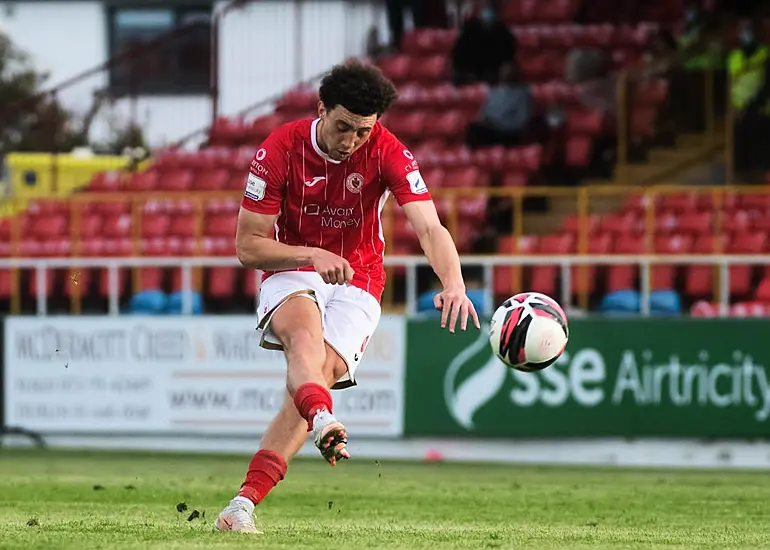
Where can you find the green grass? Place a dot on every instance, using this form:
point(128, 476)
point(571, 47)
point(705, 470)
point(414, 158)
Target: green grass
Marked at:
point(48, 501)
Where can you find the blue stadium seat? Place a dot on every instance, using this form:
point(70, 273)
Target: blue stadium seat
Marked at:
point(665, 302)
point(148, 302)
point(621, 302)
point(425, 300)
point(174, 306)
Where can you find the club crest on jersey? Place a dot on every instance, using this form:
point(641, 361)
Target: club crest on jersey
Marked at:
point(355, 182)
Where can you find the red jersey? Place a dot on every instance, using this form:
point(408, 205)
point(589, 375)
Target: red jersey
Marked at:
point(334, 205)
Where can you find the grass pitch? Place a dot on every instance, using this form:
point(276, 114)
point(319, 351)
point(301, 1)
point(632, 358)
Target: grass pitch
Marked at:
point(61, 500)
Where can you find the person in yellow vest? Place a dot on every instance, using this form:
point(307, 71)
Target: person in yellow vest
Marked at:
point(700, 50)
point(747, 68)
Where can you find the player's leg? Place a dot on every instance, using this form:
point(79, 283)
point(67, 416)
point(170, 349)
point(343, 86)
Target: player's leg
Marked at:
point(284, 437)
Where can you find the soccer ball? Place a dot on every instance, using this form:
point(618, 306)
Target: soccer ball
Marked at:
point(529, 331)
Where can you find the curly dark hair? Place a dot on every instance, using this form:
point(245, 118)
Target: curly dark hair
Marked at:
point(361, 89)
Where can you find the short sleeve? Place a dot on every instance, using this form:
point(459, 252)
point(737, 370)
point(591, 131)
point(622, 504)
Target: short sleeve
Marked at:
point(266, 183)
point(402, 174)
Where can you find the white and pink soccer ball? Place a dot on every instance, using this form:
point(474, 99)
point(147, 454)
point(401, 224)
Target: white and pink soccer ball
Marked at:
point(528, 332)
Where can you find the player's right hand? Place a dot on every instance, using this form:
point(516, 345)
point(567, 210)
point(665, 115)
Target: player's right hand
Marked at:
point(333, 269)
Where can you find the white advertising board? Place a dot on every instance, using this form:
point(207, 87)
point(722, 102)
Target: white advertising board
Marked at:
point(177, 375)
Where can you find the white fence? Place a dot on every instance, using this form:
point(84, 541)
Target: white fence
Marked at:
point(411, 263)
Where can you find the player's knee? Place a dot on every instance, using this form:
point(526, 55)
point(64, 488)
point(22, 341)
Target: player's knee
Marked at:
point(334, 366)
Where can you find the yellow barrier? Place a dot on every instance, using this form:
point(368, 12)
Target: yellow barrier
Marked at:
point(581, 202)
point(39, 175)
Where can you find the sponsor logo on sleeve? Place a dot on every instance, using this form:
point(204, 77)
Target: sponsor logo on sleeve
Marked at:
point(255, 188)
point(416, 183)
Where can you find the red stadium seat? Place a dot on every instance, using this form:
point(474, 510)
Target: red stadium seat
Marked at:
point(49, 227)
point(182, 226)
point(409, 125)
point(143, 181)
point(298, 99)
point(432, 68)
point(396, 67)
point(106, 182)
point(584, 277)
point(469, 176)
point(704, 309)
point(180, 180)
point(449, 125)
point(154, 226)
point(251, 283)
point(571, 223)
point(221, 282)
point(221, 226)
point(261, 127)
point(695, 222)
point(212, 180)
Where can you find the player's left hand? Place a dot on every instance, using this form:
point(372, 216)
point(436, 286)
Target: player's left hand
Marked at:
point(453, 303)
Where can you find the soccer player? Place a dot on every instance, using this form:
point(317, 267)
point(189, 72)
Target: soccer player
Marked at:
point(310, 219)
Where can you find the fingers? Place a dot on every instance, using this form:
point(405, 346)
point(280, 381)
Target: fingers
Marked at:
point(464, 315)
point(474, 315)
point(445, 307)
point(456, 308)
point(348, 273)
point(338, 274)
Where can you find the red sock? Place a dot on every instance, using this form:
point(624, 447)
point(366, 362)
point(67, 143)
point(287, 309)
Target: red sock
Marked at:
point(311, 398)
point(266, 469)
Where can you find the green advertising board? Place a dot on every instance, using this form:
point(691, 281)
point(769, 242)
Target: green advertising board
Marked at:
point(617, 377)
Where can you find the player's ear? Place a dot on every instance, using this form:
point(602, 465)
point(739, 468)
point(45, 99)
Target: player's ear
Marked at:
point(321, 109)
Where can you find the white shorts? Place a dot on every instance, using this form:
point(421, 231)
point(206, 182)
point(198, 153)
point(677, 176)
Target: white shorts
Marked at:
point(349, 315)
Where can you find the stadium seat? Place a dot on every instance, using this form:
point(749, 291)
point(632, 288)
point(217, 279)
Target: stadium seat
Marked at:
point(174, 305)
point(665, 302)
point(621, 302)
point(150, 302)
point(396, 67)
point(221, 282)
point(143, 181)
point(155, 225)
point(106, 182)
point(212, 180)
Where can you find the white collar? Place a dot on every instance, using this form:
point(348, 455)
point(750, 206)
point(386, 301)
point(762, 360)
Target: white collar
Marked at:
point(314, 142)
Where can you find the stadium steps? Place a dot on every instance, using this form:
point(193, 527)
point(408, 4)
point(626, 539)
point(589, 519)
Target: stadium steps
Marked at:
point(691, 159)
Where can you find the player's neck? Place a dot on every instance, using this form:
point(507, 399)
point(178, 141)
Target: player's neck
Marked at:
point(318, 139)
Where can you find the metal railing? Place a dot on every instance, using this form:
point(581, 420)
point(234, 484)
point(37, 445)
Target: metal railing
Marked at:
point(411, 263)
point(583, 203)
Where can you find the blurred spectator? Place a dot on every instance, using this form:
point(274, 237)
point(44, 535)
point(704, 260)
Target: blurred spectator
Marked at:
point(484, 45)
point(396, 10)
point(505, 114)
point(589, 69)
point(584, 64)
point(700, 49)
point(660, 54)
point(748, 71)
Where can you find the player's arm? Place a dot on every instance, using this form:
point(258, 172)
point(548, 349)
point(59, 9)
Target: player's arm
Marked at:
point(255, 242)
point(257, 248)
point(405, 181)
point(436, 242)
point(440, 249)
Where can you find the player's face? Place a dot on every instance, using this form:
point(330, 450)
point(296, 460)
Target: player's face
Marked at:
point(341, 132)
